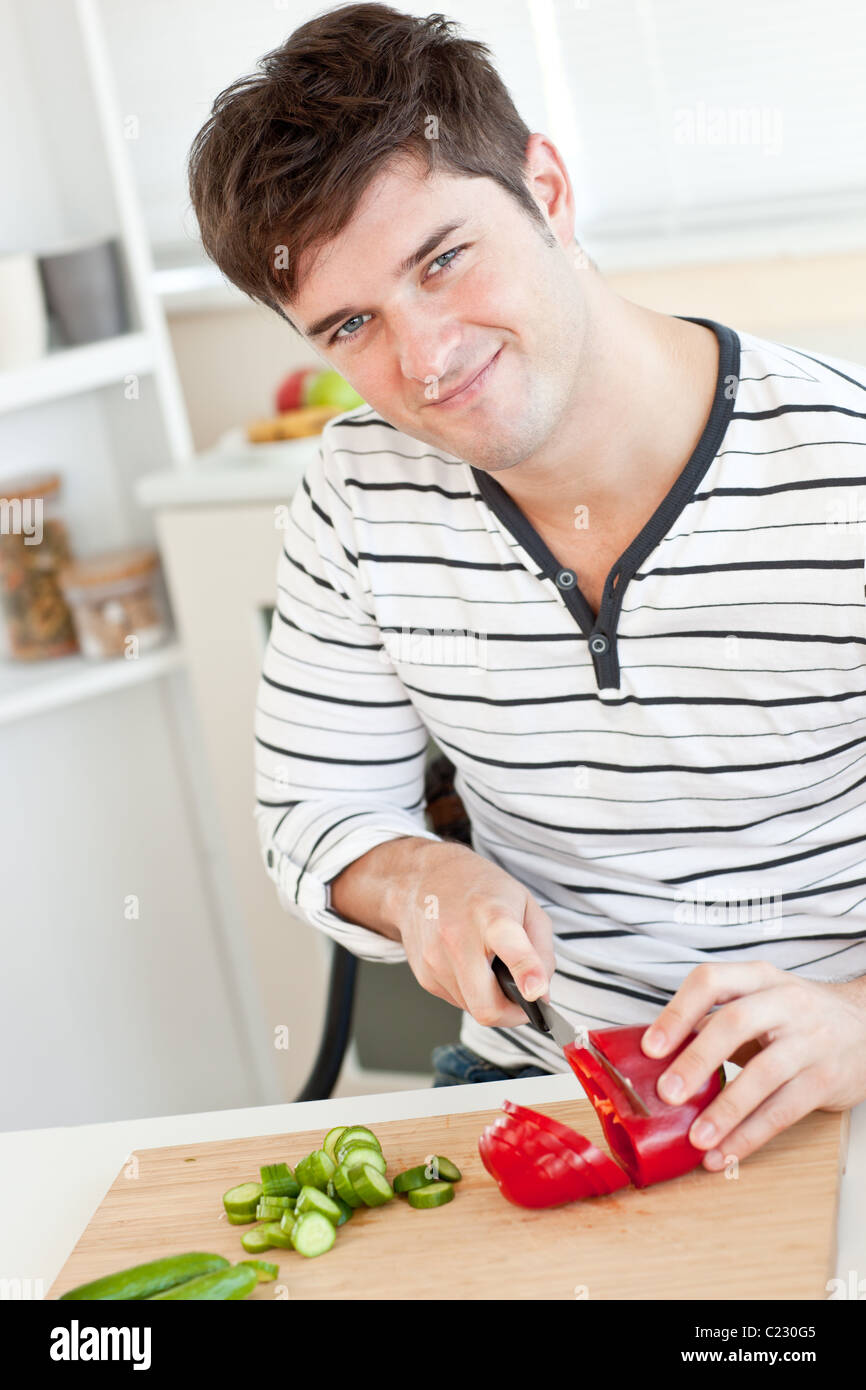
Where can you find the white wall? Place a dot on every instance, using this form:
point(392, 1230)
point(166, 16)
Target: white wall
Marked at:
point(103, 1016)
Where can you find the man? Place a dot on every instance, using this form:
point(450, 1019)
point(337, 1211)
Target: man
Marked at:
point(599, 553)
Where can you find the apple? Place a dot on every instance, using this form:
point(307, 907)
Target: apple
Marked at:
point(329, 388)
point(290, 393)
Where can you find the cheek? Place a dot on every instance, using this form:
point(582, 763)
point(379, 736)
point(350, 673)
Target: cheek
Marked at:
point(491, 298)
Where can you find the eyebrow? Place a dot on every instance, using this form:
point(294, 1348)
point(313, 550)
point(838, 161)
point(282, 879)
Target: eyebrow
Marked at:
point(429, 244)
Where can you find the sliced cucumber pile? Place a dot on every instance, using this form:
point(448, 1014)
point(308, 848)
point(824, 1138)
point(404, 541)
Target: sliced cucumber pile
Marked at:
point(303, 1210)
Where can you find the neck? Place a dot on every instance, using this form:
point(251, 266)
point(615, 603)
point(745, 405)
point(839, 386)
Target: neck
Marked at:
point(642, 397)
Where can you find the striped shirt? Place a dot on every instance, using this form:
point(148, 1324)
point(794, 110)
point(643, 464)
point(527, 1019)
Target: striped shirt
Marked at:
point(679, 780)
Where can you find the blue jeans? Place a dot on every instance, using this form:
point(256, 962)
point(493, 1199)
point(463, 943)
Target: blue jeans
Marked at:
point(456, 1065)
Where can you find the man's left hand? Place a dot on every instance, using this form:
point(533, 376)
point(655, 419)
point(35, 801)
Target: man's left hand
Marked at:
point(802, 1045)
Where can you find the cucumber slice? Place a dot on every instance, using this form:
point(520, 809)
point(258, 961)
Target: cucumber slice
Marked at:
point(234, 1220)
point(436, 1169)
point(344, 1189)
point(315, 1170)
point(265, 1237)
point(313, 1234)
point(435, 1194)
point(312, 1199)
point(355, 1136)
point(272, 1208)
point(356, 1157)
point(346, 1145)
point(371, 1186)
point(222, 1284)
point(330, 1141)
point(358, 1132)
point(242, 1199)
point(411, 1178)
point(277, 1181)
point(256, 1241)
point(442, 1169)
point(345, 1209)
point(275, 1233)
point(265, 1271)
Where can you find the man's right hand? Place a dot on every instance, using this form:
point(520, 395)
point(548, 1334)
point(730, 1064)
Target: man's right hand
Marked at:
point(453, 911)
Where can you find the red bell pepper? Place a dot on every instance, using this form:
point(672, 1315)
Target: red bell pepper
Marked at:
point(537, 1166)
point(547, 1180)
point(537, 1143)
point(651, 1148)
point(609, 1173)
point(539, 1162)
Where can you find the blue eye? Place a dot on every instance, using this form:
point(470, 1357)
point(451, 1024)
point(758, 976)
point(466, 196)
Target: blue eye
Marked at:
point(455, 253)
point(341, 337)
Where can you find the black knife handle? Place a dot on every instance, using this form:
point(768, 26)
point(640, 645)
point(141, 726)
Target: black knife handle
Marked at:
point(508, 985)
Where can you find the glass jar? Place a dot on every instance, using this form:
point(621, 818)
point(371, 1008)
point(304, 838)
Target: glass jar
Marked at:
point(33, 548)
point(117, 602)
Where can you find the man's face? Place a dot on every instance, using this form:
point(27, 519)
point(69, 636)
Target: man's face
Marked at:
point(491, 290)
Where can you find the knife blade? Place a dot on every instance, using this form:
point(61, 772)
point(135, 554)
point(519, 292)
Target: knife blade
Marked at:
point(545, 1018)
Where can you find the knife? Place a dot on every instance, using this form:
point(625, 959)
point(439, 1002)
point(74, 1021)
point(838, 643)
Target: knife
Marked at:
point(545, 1019)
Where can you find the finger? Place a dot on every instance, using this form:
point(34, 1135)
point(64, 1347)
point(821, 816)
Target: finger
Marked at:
point(485, 1001)
point(737, 1022)
point(437, 979)
point(742, 1055)
point(506, 938)
point(479, 987)
point(539, 928)
point(439, 992)
point(764, 1075)
point(779, 1111)
point(702, 988)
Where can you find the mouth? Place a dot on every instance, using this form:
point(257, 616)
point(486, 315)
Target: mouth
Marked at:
point(472, 388)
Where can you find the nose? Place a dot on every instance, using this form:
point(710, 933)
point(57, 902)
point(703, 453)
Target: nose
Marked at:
point(428, 344)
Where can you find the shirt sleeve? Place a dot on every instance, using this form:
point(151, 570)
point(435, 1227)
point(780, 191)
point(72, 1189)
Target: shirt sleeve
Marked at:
point(340, 751)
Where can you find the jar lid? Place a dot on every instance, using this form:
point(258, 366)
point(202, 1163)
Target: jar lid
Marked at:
point(36, 485)
point(110, 566)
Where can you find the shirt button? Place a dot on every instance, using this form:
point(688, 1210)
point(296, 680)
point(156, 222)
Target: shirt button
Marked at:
point(598, 643)
point(566, 579)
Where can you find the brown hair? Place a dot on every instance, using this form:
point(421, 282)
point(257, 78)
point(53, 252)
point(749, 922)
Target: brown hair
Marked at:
point(287, 153)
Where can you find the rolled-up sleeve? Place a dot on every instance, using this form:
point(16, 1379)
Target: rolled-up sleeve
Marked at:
point(340, 751)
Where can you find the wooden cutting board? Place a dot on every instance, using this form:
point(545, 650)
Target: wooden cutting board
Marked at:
point(767, 1233)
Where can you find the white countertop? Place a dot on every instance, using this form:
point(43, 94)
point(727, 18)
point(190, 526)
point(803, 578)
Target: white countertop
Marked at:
point(78, 1164)
point(231, 473)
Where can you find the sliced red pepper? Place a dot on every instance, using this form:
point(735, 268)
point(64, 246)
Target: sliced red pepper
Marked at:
point(536, 1144)
point(610, 1175)
point(549, 1181)
point(538, 1162)
point(651, 1148)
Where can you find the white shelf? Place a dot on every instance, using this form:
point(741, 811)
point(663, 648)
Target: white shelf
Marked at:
point(33, 687)
point(67, 371)
point(191, 288)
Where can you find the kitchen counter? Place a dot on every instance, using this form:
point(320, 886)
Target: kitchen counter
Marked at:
point(232, 473)
point(79, 1163)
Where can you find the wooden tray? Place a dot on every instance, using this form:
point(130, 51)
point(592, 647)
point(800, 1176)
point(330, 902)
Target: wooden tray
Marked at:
point(767, 1233)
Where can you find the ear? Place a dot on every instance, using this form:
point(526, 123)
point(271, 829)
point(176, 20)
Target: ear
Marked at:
point(548, 182)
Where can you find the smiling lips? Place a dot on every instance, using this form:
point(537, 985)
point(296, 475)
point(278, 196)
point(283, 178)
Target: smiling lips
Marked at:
point(471, 386)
